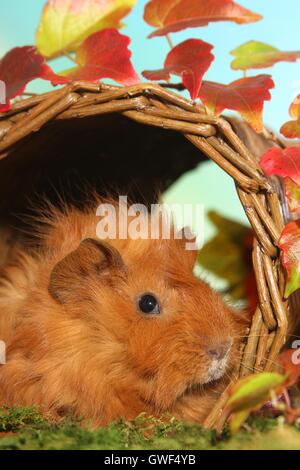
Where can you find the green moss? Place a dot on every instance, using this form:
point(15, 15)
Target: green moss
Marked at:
point(25, 428)
point(14, 419)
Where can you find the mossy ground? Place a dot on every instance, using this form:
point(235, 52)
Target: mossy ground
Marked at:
point(27, 429)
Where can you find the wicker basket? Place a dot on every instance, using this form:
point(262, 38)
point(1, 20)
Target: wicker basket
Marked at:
point(214, 137)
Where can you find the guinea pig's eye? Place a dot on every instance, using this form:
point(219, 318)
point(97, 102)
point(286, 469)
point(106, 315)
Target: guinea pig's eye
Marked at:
point(149, 304)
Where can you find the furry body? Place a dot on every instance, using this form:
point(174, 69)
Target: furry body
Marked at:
point(93, 354)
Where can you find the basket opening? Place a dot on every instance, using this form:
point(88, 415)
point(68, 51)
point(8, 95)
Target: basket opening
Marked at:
point(109, 153)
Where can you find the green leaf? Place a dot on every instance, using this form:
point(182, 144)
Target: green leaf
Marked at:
point(254, 390)
point(65, 24)
point(237, 419)
point(293, 282)
point(224, 254)
point(258, 55)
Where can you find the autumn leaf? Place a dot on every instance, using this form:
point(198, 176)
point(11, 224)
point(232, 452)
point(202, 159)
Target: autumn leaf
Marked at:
point(258, 55)
point(228, 256)
point(102, 55)
point(254, 390)
point(286, 163)
point(175, 15)
point(291, 129)
point(289, 244)
point(246, 96)
point(282, 162)
point(65, 24)
point(249, 394)
point(292, 191)
point(17, 68)
point(190, 60)
point(295, 108)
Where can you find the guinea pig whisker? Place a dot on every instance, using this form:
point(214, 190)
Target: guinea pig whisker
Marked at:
point(248, 336)
point(262, 336)
point(230, 376)
point(265, 359)
point(256, 369)
point(253, 368)
point(202, 388)
point(216, 392)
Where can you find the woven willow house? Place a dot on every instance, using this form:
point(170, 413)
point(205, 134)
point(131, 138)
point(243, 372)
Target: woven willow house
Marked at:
point(136, 141)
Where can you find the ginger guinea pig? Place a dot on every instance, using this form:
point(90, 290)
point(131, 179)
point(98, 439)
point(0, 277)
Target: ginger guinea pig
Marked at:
point(105, 329)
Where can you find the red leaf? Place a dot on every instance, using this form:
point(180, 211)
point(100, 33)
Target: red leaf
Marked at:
point(190, 60)
point(289, 244)
point(246, 96)
point(292, 191)
point(290, 361)
point(291, 129)
point(17, 68)
point(282, 162)
point(175, 15)
point(104, 54)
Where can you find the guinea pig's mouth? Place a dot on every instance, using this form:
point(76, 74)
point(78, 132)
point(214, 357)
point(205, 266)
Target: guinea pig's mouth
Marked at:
point(217, 369)
point(220, 361)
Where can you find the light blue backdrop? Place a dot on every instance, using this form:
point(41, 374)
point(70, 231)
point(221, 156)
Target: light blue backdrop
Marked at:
point(280, 28)
point(208, 184)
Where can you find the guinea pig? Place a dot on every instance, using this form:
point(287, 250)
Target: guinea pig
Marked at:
point(108, 329)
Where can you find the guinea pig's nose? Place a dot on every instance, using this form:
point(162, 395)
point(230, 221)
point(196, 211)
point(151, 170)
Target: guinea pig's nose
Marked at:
point(219, 351)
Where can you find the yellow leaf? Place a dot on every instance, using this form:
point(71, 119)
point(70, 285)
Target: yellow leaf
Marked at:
point(65, 24)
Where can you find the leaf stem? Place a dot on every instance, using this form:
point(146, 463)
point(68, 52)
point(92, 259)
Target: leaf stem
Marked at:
point(245, 73)
point(170, 42)
point(175, 86)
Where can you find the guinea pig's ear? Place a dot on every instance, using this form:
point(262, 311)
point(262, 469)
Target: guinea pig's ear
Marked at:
point(187, 240)
point(91, 257)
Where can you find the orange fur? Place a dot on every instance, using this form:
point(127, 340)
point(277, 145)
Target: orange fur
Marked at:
point(95, 355)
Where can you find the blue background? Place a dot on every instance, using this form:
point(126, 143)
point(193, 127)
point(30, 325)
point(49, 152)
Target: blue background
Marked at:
point(207, 184)
point(280, 28)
